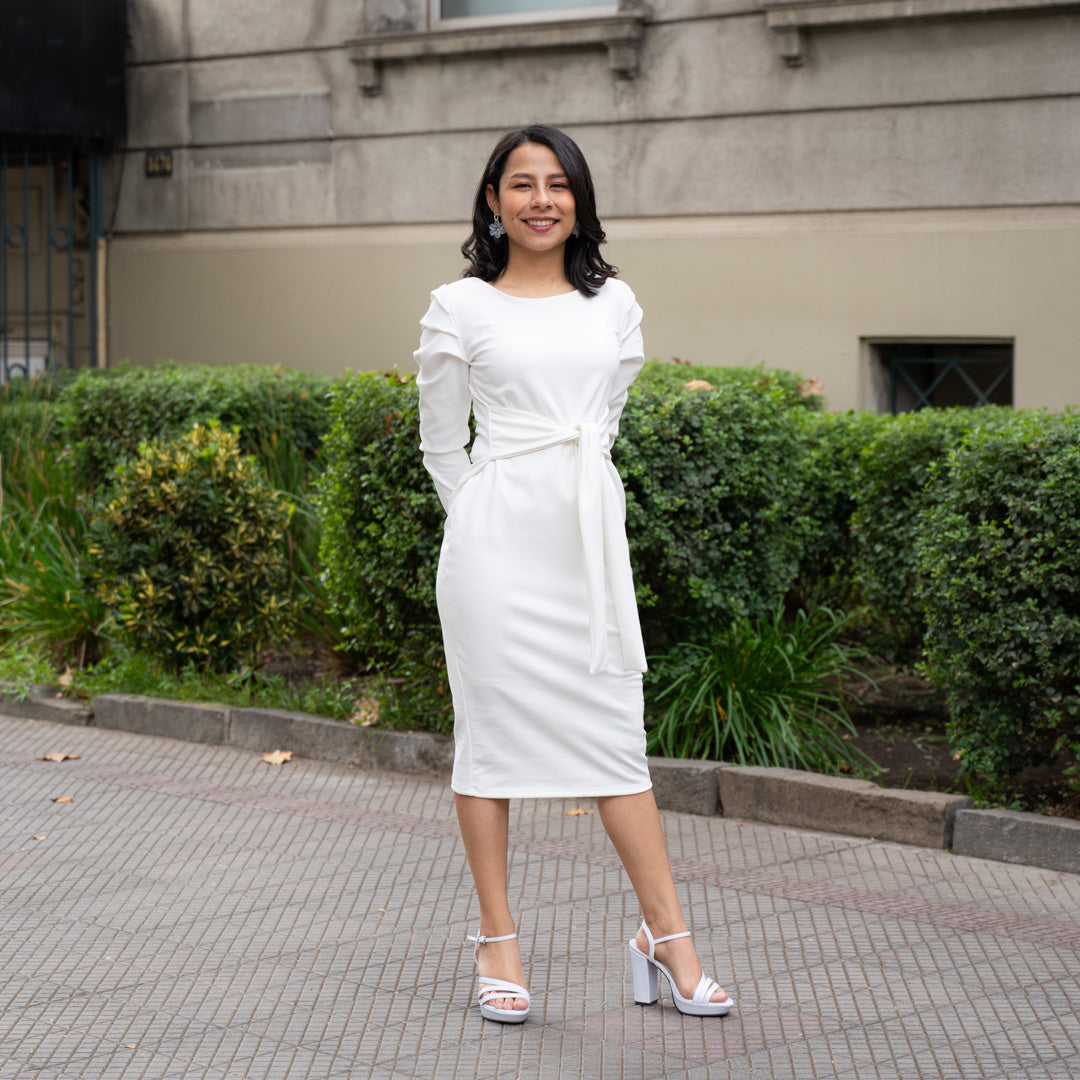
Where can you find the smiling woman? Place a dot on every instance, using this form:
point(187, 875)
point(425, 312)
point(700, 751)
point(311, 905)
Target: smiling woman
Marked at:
point(535, 589)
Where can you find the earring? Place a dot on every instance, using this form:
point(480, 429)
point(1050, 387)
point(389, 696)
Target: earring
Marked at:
point(496, 228)
point(577, 230)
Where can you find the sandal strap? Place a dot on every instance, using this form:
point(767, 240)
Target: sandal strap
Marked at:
point(705, 989)
point(500, 988)
point(671, 937)
point(482, 939)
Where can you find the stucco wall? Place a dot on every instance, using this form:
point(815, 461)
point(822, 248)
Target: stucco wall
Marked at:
point(802, 294)
point(915, 178)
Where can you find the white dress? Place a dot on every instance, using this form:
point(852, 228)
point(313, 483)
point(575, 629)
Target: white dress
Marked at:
point(535, 593)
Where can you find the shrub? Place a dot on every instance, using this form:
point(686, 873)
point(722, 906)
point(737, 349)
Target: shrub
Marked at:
point(890, 501)
point(104, 420)
point(382, 524)
point(712, 480)
point(189, 548)
point(792, 388)
point(763, 692)
point(1000, 559)
point(835, 442)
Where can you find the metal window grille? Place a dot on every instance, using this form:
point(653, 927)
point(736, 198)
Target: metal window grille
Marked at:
point(923, 376)
point(50, 226)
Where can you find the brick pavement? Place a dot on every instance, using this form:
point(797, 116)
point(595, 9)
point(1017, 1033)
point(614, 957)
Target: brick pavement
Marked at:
point(196, 913)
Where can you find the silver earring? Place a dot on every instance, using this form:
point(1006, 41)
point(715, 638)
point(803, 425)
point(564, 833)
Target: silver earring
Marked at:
point(496, 228)
point(577, 230)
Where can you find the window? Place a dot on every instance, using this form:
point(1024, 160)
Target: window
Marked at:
point(469, 9)
point(908, 376)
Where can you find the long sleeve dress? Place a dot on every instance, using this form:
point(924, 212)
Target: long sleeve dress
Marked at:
point(534, 587)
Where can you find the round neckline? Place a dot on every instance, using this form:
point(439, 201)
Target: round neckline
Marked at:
point(511, 296)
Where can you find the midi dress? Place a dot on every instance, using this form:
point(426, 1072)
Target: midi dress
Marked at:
point(535, 592)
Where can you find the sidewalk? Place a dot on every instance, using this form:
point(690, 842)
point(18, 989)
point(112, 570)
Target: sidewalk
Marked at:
point(194, 912)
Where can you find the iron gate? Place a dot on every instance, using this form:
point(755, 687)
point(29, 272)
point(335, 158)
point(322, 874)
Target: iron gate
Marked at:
point(51, 231)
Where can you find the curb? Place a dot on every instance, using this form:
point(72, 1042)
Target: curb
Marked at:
point(749, 793)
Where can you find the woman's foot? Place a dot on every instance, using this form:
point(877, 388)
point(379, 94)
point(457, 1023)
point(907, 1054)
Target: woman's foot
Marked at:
point(501, 960)
point(681, 959)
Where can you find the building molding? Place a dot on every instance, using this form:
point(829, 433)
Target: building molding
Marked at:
point(791, 20)
point(620, 33)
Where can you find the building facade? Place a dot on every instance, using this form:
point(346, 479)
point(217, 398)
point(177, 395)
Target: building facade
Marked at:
point(881, 194)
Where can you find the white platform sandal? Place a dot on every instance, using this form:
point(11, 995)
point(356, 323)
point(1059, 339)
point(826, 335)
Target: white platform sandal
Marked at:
point(646, 969)
point(493, 989)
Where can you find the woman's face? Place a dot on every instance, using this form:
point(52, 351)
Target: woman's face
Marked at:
point(534, 199)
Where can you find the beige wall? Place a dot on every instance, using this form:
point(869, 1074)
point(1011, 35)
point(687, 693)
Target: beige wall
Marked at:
point(800, 291)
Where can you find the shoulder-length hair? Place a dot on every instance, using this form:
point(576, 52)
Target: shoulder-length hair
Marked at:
point(586, 268)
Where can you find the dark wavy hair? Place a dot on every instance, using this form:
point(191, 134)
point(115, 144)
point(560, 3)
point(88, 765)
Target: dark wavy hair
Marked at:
point(586, 268)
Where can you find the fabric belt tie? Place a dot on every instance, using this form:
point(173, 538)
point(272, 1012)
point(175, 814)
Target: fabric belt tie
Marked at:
point(600, 517)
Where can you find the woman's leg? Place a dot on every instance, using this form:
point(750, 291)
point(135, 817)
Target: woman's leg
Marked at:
point(484, 828)
point(633, 824)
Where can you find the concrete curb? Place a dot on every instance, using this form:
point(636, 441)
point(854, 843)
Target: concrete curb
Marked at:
point(1015, 837)
point(774, 796)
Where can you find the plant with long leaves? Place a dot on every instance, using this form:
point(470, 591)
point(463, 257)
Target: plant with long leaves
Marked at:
point(763, 692)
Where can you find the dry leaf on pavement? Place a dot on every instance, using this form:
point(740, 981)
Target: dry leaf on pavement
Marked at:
point(64, 798)
point(277, 757)
point(59, 757)
point(37, 838)
point(575, 812)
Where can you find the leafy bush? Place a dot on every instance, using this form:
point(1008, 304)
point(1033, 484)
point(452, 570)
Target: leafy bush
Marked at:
point(104, 420)
point(792, 388)
point(189, 549)
point(713, 481)
point(835, 444)
point(382, 524)
point(1000, 562)
point(891, 500)
point(763, 692)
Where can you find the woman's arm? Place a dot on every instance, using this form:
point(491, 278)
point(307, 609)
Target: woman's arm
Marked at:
point(445, 400)
point(631, 359)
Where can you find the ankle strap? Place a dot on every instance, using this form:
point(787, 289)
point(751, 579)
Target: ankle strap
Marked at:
point(671, 937)
point(481, 939)
point(653, 942)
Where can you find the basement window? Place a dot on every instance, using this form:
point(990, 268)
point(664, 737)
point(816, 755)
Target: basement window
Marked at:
point(906, 376)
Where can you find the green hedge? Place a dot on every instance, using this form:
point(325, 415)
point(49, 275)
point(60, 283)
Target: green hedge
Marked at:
point(711, 481)
point(712, 485)
point(999, 554)
point(103, 420)
point(890, 501)
point(835, 444)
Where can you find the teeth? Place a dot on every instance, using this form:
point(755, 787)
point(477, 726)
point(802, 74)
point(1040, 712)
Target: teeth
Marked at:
point(542, 221)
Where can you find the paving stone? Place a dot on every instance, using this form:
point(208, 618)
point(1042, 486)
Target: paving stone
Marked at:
point(237, 921)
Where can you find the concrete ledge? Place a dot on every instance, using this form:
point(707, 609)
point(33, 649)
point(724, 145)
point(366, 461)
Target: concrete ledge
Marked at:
point(837, 804)
point(190, 721)
point(690, 787)
point(45, 704)
point(774, 796)
point(330, 740)
point(1015, 837)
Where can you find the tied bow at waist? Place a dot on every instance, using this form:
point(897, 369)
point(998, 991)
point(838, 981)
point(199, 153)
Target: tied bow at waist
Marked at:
point(600, 515)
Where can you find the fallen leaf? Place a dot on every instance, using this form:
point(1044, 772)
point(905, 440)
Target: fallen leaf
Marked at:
point(59, 757)
point(844, 768)
point(37, 838)
point(577, 811)
point(277, 757)
point(130, 1046)
point(64, 798)
point(367, 712)
point(64, 679)
point(698, 384)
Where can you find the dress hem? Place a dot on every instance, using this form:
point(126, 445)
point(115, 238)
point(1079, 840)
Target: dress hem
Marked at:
point(550, 794)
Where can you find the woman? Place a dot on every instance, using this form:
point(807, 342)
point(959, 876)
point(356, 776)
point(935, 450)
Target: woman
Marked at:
point(536, 598)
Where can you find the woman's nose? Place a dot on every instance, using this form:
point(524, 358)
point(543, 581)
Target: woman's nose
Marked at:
point(542, 196)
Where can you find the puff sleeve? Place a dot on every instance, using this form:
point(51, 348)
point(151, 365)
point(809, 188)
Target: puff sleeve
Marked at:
point(631, 360)
point(445, 398)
